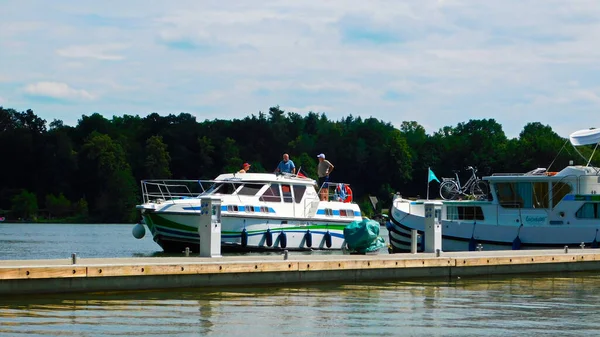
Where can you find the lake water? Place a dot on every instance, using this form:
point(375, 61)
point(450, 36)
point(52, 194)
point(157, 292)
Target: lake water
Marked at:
point(24, 241)
point(542, 305)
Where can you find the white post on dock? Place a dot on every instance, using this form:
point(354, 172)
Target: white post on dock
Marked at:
point(209, 227)
point(433, 230)
point(414, 236)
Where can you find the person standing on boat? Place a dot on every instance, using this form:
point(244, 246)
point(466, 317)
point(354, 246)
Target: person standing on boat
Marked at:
point(286, 165)
point(245, 168)
point(324, 169)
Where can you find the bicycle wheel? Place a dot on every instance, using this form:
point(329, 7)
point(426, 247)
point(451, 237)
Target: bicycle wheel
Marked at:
point(449, 190)
point(480, 189)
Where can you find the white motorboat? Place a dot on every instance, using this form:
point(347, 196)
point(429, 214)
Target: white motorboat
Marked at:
point(533, 210)
point(259, 211)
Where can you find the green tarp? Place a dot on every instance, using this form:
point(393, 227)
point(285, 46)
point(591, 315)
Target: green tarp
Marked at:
point(363, 236)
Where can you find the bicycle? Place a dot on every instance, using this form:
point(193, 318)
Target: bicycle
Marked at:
point(451, 189)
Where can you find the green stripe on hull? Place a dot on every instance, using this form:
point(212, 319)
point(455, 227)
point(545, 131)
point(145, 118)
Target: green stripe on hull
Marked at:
point(161, 221)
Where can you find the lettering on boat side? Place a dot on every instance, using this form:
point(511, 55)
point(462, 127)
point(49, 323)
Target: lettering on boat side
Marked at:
point(535, 218)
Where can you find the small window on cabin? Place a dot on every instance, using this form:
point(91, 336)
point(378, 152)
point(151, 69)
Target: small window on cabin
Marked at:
point(559, 190)
point(451, 213)
point(540, 195)
point(299, 191)
point(343, 212)
point(328, 211)
point(264, 209)
point(249, 209)
point(464, 213)
point(250, 189)
point(230, 208)
point(588, 211)
point(286, 192)
point(271, 194)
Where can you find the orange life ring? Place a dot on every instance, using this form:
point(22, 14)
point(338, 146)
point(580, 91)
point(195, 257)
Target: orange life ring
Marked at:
point(347, 190)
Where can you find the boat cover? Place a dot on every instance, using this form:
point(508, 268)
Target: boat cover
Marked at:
point(585, 137)
point(363, 236)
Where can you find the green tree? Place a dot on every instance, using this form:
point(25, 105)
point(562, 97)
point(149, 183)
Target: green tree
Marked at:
point(109, 179)
point(157, 158)
point(58, 206)
point(24, 205)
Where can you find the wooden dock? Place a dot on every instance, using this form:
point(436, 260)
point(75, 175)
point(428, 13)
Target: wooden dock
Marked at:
point(20, 277)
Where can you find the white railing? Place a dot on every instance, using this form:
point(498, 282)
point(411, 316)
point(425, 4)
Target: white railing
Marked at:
point(331, 191)
point(153, 190)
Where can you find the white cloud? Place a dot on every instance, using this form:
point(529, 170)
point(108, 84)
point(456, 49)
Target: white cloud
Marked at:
point(99, 51)
point(439, 62)
point(57, 90)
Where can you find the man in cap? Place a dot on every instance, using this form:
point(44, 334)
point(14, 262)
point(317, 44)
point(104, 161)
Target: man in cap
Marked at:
point(245, 168)
point(324, 169)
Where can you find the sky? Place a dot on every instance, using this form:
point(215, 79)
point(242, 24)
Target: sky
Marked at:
point(436, 62)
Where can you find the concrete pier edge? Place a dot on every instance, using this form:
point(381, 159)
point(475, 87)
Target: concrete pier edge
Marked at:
point(22, 277)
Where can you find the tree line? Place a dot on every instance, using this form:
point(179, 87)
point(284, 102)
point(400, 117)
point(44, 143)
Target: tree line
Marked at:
point(91, 172)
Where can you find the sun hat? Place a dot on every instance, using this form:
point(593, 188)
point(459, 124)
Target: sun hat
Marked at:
point(246, 165)
point(321, 156)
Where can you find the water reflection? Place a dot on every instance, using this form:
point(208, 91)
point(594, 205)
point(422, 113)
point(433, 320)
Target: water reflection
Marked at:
point(490, 307)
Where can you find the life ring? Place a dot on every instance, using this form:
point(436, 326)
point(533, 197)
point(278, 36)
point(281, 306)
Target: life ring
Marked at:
point(551, 173)
point(344, 192)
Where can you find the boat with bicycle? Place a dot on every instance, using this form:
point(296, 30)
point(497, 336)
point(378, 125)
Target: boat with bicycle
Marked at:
point(532, 210)
point(451, 189)
point(259, 211)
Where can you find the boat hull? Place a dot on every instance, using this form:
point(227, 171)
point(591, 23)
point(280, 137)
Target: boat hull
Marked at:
point(467, 235)
point(175, 232)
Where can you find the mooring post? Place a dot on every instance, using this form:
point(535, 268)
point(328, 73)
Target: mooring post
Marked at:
point(73, 258)
point(413, 241)
point(209, 228)
point(433, 230)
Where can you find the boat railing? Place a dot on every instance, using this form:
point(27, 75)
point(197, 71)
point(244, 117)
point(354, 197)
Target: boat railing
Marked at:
point(332, 191)
point(164, 190)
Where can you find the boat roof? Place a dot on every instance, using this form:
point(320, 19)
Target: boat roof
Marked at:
point(585, 137)
point(543, 174)
point(264, 178)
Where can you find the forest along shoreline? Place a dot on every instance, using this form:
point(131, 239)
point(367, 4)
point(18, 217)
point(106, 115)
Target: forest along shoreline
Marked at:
point(90, 172)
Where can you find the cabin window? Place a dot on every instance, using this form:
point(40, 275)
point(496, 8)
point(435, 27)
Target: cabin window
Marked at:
point(588, 210)
point(232, 208)
point(221, 188)
point(271, 194)
point(264, 209)
point(286, 192)
point(299, 193)
point(464, 213)
point(523, 195)
point(559, 190)
point(249, 209)
point(249, 189)
point(347, 213)
point(328, 211)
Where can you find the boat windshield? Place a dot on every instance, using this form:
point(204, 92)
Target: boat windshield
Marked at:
point(222, 188)
point(250, 189)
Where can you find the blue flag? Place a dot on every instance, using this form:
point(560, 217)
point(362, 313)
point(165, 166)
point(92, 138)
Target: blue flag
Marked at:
point(432, 176)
